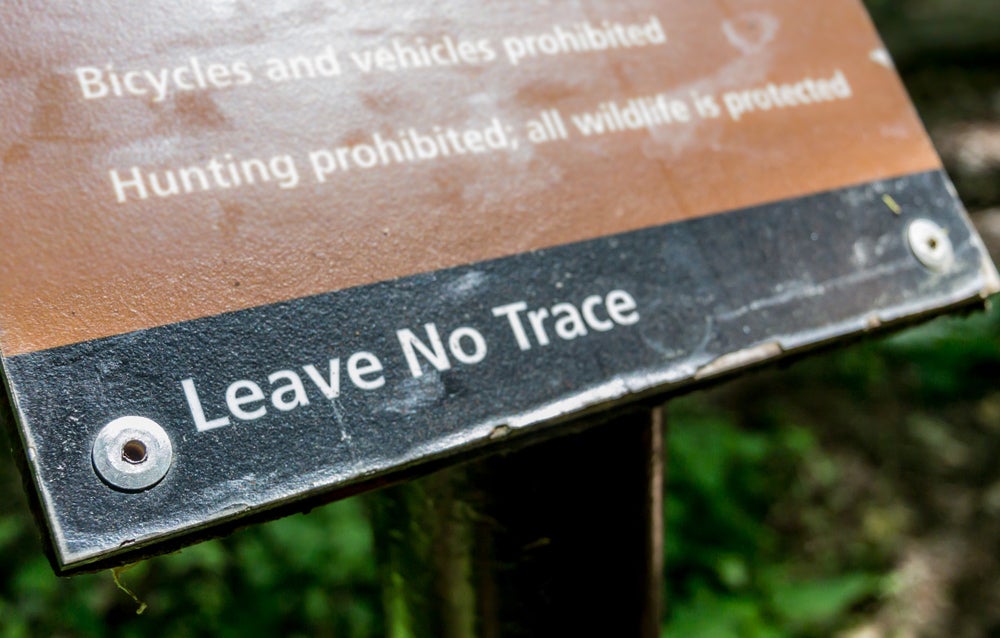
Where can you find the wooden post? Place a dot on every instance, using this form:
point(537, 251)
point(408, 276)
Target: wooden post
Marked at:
point(560, 538)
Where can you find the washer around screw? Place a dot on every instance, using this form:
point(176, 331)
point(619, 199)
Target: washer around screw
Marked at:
point(132, 453)
point(931, 245)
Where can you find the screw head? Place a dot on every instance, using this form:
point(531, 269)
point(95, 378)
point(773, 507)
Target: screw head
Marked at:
point(132, 453)
point(930, 244)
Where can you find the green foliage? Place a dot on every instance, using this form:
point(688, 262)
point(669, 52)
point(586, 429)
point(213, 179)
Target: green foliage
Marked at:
point(792, 492)
point(730, 571)
point(950, 358)
point(301, 576)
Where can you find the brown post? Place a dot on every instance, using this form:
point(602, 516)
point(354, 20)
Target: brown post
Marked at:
point(560, 538)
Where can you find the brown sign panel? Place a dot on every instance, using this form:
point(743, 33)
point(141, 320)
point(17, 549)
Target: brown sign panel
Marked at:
point(387, 233)
point(237, 158)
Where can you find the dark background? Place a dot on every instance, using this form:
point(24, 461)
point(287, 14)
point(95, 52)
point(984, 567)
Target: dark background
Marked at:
point(855, 494)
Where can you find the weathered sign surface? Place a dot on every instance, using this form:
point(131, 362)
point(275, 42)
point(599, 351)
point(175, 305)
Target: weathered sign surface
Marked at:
point(257, 253)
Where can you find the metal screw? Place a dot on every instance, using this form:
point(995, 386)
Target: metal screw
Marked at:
point(931, 245)
point(132, 453)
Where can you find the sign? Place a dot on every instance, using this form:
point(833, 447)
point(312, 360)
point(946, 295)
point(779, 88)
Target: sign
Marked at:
point(258, 254)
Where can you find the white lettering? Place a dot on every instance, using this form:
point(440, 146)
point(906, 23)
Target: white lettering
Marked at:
point(570, 321)
point(92, 84)
point(197, 412)
point(622, 308)
point(589, 304)
point(569, 325)
point(434, 354)
point(241, 393)
point(293, 387)
point(478, 352)
point(363, 364)
point(331, 388)
point(511, 311)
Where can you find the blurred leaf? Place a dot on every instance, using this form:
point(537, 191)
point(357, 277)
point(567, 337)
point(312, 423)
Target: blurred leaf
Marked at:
point(813, 603)
point(713, 616)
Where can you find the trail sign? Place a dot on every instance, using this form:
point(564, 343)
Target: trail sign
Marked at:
point(263, 253)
